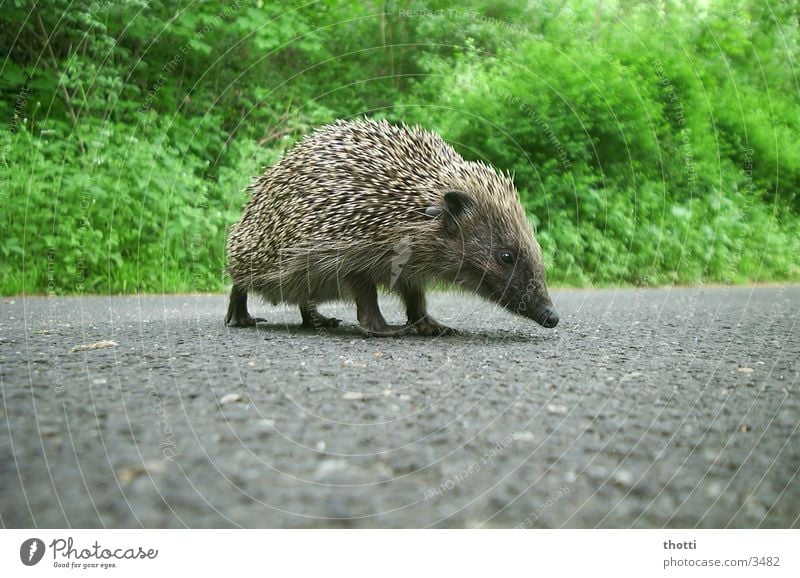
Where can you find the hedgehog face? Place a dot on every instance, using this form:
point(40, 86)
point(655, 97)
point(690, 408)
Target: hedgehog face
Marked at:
point(524, 285)
point(498, 258)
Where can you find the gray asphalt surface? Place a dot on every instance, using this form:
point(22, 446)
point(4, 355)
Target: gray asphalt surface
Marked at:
point(643, 408)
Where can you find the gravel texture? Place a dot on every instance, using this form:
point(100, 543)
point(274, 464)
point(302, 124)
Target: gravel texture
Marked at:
point(643, 408)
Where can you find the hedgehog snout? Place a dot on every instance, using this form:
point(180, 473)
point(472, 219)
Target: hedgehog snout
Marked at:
point(547, 317)
point(537, 307)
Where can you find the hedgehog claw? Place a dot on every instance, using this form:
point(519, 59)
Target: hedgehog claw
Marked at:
point(432, 328)
point(317, 321)
point(387, 331)
point(247, 321)
point(322, 321)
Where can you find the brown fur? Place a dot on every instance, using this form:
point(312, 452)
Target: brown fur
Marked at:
point(345, 211)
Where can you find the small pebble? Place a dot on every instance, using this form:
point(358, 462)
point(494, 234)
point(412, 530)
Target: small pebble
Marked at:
point(524, 436)
point(329, 467)
point(95, 345)
point(127, 475)
point(231, 398)
point(623, 477)
point(557, 408)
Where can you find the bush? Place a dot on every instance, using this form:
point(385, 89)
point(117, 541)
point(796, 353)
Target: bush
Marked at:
point(649, 145)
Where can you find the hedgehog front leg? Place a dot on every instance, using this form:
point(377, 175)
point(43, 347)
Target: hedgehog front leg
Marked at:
point(418, 318)
point(237, 315)
point(365, 294)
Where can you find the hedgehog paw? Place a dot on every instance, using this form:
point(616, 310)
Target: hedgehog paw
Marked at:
point(318, 321)
point(244, 321)
point(386, 330)
point(431, 328)
point(237, 315)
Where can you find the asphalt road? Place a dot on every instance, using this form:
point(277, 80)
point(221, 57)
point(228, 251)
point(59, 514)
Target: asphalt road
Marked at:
point(643, 408)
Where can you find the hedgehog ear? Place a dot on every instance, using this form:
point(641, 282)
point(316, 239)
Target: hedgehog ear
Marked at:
point(456, 204)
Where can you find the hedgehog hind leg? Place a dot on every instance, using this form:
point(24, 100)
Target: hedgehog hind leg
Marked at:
point(314, 319)
point(414, 298)
point(237, 315)
point(365, 294)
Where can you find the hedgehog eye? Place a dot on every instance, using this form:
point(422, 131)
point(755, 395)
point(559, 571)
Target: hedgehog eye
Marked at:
point(505, 256)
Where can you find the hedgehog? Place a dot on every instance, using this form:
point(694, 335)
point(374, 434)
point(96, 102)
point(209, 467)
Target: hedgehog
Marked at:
point(359, 205)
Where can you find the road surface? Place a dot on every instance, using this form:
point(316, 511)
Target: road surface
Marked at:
point(643, 408)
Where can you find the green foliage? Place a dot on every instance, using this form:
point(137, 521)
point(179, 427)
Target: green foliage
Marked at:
point(651, 143)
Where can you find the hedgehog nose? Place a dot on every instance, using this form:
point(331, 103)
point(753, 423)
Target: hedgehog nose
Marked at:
point(549, 318)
